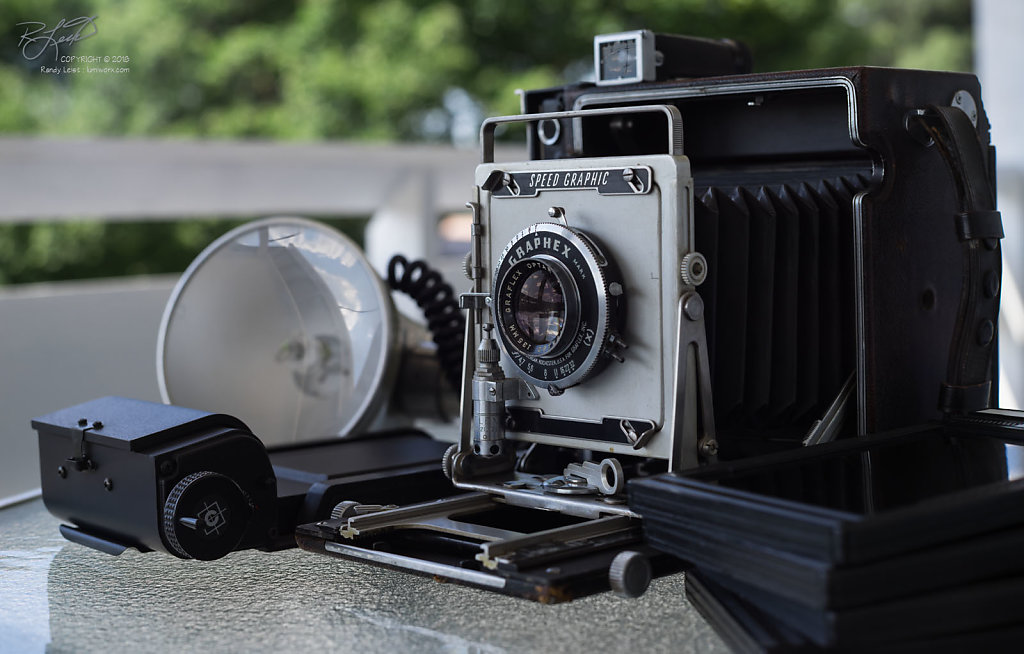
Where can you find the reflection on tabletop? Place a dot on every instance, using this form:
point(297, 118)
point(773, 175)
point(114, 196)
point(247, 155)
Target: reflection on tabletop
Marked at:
point(290, 600)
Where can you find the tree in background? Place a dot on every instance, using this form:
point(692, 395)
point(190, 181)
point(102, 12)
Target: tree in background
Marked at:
point(423, 70)
point(314, 69)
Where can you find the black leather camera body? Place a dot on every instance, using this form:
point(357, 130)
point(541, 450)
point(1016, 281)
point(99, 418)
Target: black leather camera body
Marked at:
point(844, 259)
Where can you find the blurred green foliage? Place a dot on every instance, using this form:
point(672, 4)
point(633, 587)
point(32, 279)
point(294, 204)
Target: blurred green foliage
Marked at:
point(86, 249)
point(313, 69)
point(383, 70)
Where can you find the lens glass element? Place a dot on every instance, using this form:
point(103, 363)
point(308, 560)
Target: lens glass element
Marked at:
point(539, 308)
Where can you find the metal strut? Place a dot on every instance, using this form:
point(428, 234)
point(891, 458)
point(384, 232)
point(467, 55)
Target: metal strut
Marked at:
point(693, 422)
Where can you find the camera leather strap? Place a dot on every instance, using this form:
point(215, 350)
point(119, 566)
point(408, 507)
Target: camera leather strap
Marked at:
point(968, 385)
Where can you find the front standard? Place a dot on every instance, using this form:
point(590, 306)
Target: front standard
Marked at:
point(584, 331)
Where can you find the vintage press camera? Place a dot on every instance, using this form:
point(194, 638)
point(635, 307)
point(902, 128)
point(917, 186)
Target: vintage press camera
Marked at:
point(568, 259)
point(791, 241)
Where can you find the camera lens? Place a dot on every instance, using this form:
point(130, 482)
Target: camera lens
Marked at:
point(553, 307)
point(539, 309)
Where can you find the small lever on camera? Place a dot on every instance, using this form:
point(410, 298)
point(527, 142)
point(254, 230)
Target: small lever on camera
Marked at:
point(606, 477)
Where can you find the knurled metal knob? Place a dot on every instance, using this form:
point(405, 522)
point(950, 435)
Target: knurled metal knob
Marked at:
point(343, 510)
point(630, 574)
point(694, 269)
point(448, 460)
point(205, 516)
point(488, 351)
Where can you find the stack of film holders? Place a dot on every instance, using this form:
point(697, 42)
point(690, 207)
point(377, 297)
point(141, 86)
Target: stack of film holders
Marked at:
point(908, 541)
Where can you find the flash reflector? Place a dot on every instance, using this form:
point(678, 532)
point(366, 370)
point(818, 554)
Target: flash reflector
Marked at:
point(283, 323)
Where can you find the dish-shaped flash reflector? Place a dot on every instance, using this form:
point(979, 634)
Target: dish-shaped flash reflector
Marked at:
point(283, 323)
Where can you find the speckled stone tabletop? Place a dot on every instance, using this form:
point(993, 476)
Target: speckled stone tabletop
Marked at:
point(56, 596)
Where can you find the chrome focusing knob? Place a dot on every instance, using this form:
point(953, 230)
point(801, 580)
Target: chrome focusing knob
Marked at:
point(694, 269)
point(448, 461)
point(630, 574)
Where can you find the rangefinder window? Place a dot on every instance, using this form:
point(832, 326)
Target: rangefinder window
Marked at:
point(624, 58)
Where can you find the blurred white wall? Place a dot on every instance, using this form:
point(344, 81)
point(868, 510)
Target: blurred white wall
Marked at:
point(63, 344)
point(999, 51)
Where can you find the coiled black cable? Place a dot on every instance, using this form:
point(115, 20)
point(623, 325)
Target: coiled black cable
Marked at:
point(440, 307)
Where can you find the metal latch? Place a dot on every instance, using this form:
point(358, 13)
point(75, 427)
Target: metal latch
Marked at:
point(79, 459)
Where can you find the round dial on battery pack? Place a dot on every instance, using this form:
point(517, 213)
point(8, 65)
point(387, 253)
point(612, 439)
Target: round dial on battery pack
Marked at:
point(205, 516)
